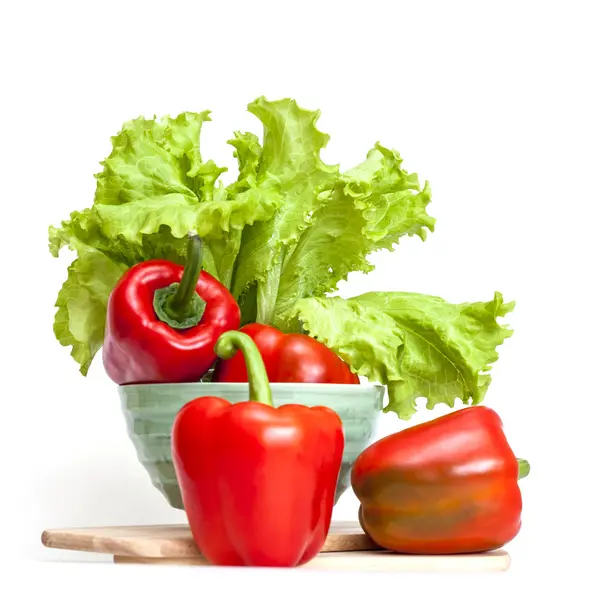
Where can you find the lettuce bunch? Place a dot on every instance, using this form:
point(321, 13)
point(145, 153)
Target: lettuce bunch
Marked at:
point(280, 238)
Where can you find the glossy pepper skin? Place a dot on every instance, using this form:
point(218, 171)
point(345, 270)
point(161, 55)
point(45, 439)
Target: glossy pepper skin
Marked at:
point(257, 482)
point(447, 486)
point(289, 358)
point(176, 342)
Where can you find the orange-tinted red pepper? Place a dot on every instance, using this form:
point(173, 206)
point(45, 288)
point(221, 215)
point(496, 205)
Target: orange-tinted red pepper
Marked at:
point(447, 486)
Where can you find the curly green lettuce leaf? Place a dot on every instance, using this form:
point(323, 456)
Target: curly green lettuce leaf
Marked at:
point(248, 151)
point(155, 177)
point(157, 157)
point(369, 209)
point(82, 301)
point(289, 163)
point(368, 340)
point(327, 222)
point(225, 243)
point(86, 228)
point(420, 346)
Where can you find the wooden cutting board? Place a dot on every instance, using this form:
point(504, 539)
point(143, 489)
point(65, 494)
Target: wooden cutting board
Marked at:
point(346, 547)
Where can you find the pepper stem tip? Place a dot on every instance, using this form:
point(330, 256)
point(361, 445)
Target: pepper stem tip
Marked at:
point(226, 347)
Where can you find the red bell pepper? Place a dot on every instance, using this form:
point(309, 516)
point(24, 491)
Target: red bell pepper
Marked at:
point(163, 321)
point(257, 482)
point(447, 486)
point(289, 358)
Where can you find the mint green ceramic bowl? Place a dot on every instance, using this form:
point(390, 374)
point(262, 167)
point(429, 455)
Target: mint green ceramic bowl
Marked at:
point(150, 411)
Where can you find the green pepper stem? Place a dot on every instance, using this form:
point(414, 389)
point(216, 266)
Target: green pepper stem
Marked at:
point(227, 345)
point(179, 303)
point(524, 468)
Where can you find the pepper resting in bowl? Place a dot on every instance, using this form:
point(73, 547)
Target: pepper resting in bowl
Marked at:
point(163, 321)
point(257, 482)
point(289, 358)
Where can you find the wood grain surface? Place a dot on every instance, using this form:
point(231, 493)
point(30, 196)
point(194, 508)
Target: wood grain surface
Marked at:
point(175, 541)
point(346, 548)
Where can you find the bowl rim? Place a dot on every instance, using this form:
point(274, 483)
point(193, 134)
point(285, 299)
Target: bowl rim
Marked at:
point(346, 387)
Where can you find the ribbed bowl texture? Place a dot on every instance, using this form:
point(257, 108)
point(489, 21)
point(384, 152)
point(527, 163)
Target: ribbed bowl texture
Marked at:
point(151, 409)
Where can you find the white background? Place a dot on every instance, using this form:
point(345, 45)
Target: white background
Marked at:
point(496, 104)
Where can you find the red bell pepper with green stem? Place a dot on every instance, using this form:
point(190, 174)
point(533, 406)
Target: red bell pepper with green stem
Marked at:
point(258, 482)
point(289, 358)
point(447, 486)
point(163, 321)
